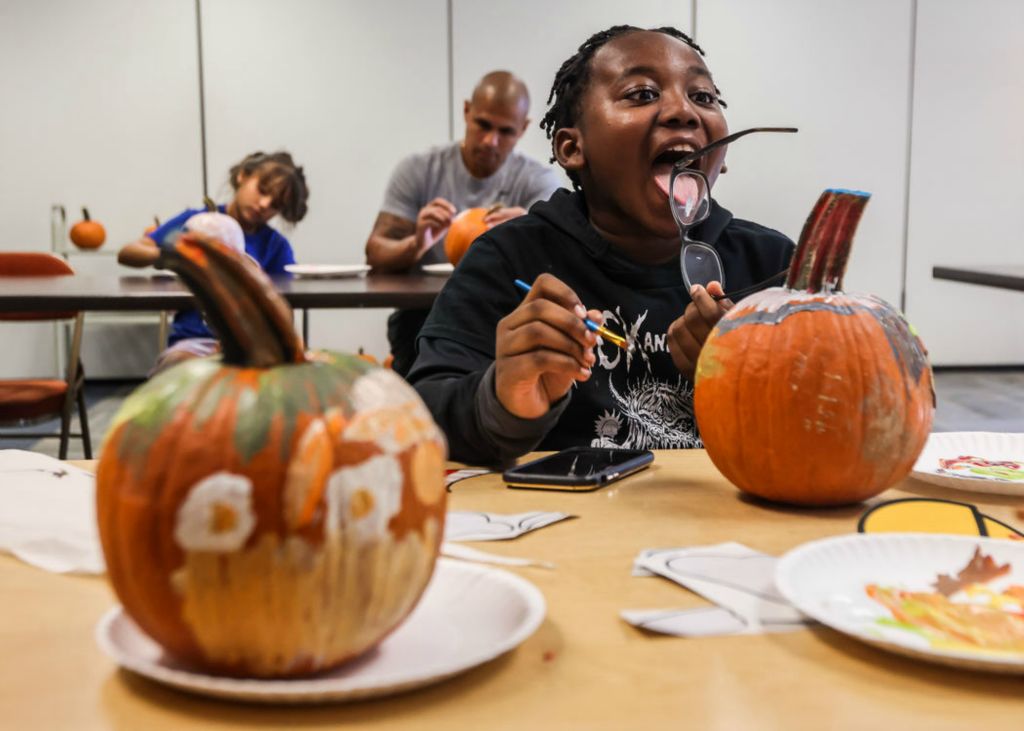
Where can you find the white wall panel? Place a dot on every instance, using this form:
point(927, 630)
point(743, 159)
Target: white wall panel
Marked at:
point(839, 71)
point(349, 88)
point(967, 177)
point(532, 38)
point(100, 108)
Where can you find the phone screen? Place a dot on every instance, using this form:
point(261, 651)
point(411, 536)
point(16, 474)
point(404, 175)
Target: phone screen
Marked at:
point(578, 468)
point(577, 464)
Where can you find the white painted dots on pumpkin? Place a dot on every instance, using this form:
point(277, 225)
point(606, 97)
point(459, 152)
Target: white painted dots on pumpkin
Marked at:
point(217, 515)
point(363, 499)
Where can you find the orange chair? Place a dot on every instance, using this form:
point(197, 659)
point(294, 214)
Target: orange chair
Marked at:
point(28, 400)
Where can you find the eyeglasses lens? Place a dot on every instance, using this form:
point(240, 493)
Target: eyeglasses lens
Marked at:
point(701, 265)
point(689, 197)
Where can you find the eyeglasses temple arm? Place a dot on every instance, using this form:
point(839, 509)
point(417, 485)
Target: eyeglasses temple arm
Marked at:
point(741, 293)
point(683, 162)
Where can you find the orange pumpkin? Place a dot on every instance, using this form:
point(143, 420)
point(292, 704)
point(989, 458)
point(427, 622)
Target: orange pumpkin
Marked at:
point(88, 234)
point(269, 512)
point(465, 229)
point(805, 394)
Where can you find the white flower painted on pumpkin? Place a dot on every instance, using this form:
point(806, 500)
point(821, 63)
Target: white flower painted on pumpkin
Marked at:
point(389, 413)
point(217, 515)
point(364, 498)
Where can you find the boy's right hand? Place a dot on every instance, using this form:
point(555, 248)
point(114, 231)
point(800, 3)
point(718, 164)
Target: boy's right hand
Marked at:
point(431, 222)
point(542, 347)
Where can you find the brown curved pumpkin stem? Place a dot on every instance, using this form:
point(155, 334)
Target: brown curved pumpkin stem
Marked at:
point(824, 249)
point(211, 206)
point(252, 320)
point(85, 213)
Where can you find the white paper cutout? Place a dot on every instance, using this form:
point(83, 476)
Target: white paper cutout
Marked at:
point(463, 525)
point(740, 580)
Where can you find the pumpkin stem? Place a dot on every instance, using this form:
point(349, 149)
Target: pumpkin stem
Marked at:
point(85, 213)
point(824, 249)
point(211, 207)
point(252, 321)
point(156, 220)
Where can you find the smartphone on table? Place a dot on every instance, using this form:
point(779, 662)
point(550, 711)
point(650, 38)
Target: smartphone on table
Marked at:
point(578, 468)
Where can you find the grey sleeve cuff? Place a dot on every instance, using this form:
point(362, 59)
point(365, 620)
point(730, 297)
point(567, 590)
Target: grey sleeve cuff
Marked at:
point(512, 435)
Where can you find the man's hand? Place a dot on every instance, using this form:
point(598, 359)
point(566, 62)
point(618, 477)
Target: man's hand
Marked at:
point(686, 335)
point(431, 223)
point(542, 347)
point(505, 213)
point(396, 243)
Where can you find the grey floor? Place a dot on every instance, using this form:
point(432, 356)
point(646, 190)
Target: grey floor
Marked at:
point(968, 400)
point(979, 400)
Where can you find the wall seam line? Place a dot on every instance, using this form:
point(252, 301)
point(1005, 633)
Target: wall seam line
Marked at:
point(202, 96)
point(909, 155)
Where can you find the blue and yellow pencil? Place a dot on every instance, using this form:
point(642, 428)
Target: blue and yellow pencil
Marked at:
point(601, 330)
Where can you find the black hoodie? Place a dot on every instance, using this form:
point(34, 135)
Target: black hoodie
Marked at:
point(637, 400)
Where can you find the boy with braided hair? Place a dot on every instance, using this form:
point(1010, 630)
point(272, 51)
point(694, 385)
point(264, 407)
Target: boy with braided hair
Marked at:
point(503, 374)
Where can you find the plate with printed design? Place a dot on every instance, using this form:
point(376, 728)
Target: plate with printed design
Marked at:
point(991, 462)
point(467, 616)
point(326, 271)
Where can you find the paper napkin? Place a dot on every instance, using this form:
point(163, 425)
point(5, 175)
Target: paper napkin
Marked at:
point(48, 518)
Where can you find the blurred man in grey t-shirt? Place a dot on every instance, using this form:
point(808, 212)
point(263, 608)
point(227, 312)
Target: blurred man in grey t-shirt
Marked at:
point(428, 189)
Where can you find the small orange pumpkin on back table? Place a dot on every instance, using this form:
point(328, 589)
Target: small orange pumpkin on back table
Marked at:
point(806, 394)
point(87, 234)
point(270, 512)
point(465, 229)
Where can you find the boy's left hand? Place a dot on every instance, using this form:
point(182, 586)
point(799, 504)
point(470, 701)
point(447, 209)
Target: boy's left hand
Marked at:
point(686, 335)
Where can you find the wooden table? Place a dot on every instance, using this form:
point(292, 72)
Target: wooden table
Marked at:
point(1009, 277)
point(144, 293)
point(584, 668)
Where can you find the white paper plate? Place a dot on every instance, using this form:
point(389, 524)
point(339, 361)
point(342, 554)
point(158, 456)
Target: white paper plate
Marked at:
point(468, 615)
point(826, 580)
point(442, 269)
point(326, 271)
point(988, 445)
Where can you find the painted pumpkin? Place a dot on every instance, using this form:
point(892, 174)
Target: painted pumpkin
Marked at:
point(805, 394)
point(218, 226)
point(268, 512)
point(465, 229)
point(87, 234)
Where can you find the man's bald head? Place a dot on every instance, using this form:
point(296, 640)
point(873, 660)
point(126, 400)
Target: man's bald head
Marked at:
point(502, 88)
point(495, 120)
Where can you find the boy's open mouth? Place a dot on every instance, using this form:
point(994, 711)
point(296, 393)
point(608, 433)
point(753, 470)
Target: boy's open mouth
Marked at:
point(663, 163)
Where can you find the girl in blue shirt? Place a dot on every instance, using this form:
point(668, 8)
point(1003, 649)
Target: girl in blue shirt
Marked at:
point(266, 185)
